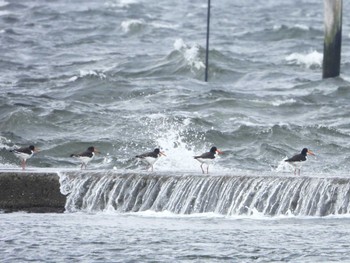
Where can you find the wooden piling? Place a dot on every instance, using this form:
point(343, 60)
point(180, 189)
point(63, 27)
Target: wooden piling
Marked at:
point(332, 38)
point(207, 45)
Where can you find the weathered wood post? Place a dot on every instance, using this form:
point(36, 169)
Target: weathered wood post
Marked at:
point(332, 38)
point(207, 45)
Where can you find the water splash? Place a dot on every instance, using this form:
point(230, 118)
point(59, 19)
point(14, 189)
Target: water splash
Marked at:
point(190, 53)
point(309, 60)
point(180, 141)
point(283, 166)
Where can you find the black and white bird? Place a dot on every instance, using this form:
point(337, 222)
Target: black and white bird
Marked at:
point(299, 159)
point(208, 157)
point(86, 157)
point(25, 153)
point(150, 157)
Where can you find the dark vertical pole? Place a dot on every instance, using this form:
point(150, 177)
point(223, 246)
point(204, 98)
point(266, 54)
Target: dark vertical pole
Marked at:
point(207, 48)
point(332, 38)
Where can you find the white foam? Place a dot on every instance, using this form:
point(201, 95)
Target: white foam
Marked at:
point(72, 79)
point(87, 73)
point(84, 73)
point(277, 27)
point(190, 53)
point(303, 27)
point(172, 138)
point(121, 3)
point(179, 153)
point(283, 166)
point(308, 60)
point(3, 3)
point(179, 44)
point(4, 142)
point(4, 12)
point(277, 103)
point(164, 25)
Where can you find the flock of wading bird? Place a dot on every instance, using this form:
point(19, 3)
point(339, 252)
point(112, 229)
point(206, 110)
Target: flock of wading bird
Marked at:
point(151, 157)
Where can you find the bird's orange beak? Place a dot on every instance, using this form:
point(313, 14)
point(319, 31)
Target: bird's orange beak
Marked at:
point(310, 152)
point(162, 153)
point(36, 150)
point(219, 152)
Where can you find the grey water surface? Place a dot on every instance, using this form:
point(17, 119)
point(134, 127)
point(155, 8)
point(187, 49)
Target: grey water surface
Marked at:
point(126, 76)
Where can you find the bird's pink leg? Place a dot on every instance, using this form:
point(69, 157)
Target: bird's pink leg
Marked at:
point(202, 168)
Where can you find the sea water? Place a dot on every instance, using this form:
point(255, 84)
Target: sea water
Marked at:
point(127, 76)
point(165, 237)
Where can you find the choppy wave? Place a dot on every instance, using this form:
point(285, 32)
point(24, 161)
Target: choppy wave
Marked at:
point(127, 83)
point(132, 26)
point(313, 59)
point(190, 53)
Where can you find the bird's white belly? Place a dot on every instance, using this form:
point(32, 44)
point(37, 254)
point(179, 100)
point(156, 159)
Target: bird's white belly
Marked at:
point(85, 159)
point(23, 156)
point(297, 165)
point(205, 160)
point(149, 160)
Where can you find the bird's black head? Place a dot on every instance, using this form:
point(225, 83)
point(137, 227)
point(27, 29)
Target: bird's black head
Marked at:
point(213, 149)
point(91, 149)
point(156, 150)
point(31, 147)
point(304, 151)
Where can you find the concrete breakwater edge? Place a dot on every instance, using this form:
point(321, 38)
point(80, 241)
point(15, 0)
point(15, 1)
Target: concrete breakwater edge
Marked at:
point(31, 191)
point(50, 190)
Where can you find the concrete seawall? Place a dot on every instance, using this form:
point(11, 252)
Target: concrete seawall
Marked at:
point(36, 192)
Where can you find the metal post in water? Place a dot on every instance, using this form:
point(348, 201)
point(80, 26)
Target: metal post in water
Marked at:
point(207, 48)
point(332, 38)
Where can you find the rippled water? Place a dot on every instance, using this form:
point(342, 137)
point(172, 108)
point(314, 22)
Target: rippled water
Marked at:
point(160, 238)
point(127, 76)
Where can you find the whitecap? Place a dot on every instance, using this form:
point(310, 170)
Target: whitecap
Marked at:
point(190, 53)
point(313, 58)
point(179, 44)
point(72, 79)
point(87, 73)
point(303, 27)
point(4, 142)
point(277, 103)
point(3, 3)
point(164, 25)
point(121, 3)
point(132, 25)
point(4, 12)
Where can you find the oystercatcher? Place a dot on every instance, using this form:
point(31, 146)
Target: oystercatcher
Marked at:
point(24, 153)
point(297, 160)
point(208, 157)
point(151, 157)
point(86, 157)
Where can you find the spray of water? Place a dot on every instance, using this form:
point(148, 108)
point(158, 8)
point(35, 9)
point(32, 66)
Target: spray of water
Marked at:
point(180, 141)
